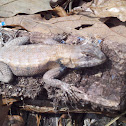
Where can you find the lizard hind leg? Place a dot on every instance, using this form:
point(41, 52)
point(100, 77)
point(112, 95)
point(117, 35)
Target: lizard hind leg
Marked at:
point(6, 74)
point(50, 79)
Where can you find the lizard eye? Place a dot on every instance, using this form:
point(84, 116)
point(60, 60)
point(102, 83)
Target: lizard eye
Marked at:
point(87, 55)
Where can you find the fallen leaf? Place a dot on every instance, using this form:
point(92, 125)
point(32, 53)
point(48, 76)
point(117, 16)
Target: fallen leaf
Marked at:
point(3, 111)
point(102, 31)
point(55, 25)
point(14, 120)
point(60, 11)
point(117, 26)
point(10, 8)
point(109, 8)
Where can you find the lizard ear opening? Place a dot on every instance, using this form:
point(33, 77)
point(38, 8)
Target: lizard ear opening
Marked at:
point(59, 61)
point(65, 62)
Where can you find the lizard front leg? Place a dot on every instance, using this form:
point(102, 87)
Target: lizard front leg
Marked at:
point(49, 78)
point(6, 74)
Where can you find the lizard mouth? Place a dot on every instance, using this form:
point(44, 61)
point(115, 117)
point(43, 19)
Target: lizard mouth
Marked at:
point(89, 63)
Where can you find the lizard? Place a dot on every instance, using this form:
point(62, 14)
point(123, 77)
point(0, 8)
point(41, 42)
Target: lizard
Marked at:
point(22, 59)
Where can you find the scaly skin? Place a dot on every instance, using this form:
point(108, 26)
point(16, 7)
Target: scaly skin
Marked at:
point(29, 60)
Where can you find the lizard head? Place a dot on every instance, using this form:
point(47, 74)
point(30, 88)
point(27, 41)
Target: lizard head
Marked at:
point(86, 55)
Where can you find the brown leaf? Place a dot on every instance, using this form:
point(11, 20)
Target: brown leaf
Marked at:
point(3, 111)
point(54, 25)
point(117, 26)
point(10, 8)
point(14, 120)
point(109, 8)
point(60, 11)
point(103, 31)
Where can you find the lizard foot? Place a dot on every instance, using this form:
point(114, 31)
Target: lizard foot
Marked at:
point(69, 92)
point(68, 89)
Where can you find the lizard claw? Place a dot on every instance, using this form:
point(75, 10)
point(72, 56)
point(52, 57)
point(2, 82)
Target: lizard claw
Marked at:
point(69, 91)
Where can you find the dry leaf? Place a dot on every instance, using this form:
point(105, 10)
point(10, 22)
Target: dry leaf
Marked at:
point(55, 25)
point(14, 120)
point(109, 8)
point(60, 11)
point(117, 26)
point(10, 8)
point(102, 31)
point(3, 111)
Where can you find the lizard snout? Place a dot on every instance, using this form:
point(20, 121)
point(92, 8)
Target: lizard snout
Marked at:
point(102, 56)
